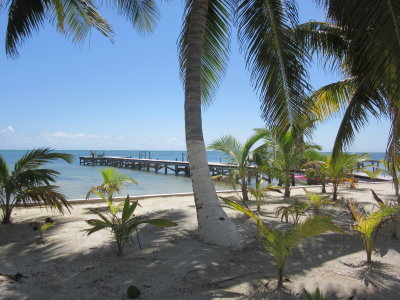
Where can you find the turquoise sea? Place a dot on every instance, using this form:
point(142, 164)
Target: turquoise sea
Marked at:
point(75, 180)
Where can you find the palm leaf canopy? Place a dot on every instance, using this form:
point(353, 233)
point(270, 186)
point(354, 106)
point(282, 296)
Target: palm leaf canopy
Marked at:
point(275, 58)
point(143, 14)
point(241, 154)
point(215, 45)
point(28, 181)
point(74, 18)
point(374, 28)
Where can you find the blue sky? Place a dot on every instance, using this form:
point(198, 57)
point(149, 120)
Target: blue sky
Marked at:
point(128, 95)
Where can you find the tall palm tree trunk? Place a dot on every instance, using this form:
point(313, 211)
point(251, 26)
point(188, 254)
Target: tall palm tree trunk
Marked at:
point(213, 223)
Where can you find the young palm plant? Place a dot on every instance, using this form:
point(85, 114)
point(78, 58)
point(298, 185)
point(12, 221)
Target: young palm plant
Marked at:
point(293, 211)
point(316, 203)
point(260, 190)
point(122, 221)
point(288, 151)
point(31, 182)
point(280, 243)
point(241, 157)
point(341, 169)
point(368, 224)
point(393, 220)
point(113, 182)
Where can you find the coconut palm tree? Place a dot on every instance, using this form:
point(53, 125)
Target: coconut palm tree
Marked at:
point(73, 18)
point(342, 169)
point(30, 181)
point(241, 157)
point(364, 92)
point(364, 42)
point(276, 62)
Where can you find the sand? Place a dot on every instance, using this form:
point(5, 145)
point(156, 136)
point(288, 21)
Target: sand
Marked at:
point(175, 264)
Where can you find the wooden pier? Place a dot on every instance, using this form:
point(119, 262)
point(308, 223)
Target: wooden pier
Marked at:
point(176, 167)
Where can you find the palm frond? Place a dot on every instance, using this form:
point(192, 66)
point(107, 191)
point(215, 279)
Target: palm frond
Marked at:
point(275, 59)
point(143, 14)
point(74, 18)
point(333, 98)
point(23, 18)
point(311, 227)
point(325, 40)
point(364, 102)
point(48, 194)
point(38, 157)
point(215, 46)
point(229, 145)
point(373, 27)
point(3, 169)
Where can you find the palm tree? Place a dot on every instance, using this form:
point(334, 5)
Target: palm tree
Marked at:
point(364, 42)
point(30, 182)
point(113, 181)
point(276, 62)
point(288, 152)
point(241, 157)
point(73, 18)
point(342, 169)
point(315, 168)
point(369, 223)
point(280, 243)
point(364, 92)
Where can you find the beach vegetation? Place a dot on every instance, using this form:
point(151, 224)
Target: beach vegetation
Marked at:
point(339, 171)
point(286, 153)
point(295, 211)
point(259, 191)
point(368, 224)
point(315, 169)
point(316, 296)
point(113, 182)
point(280, 243)
point(31, 181)
point(122, 221)
point(393, 220)
point(363, 43)
point(342, 170)
point(241, 158)
point(316, 203)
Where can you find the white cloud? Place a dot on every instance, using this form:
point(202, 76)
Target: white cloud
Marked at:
point(8, 129)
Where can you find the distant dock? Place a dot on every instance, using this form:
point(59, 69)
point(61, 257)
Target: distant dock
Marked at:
point(156, 165)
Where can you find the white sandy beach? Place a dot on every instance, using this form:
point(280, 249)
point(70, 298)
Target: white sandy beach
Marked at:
point(174, 264)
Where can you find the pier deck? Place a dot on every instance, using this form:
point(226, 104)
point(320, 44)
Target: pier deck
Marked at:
point(176, 167)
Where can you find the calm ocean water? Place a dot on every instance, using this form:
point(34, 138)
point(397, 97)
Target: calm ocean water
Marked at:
point(75, 180)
